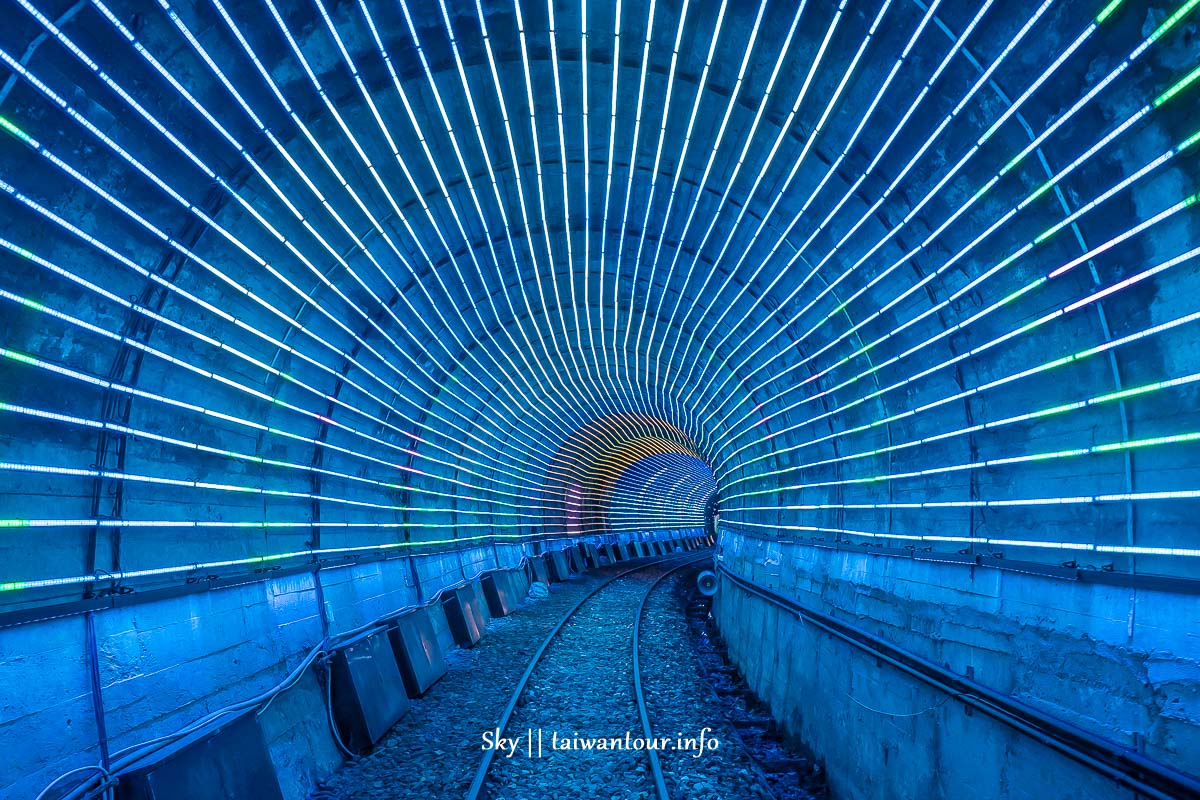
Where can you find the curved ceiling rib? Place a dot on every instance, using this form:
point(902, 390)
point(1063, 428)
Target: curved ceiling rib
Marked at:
point(282, 280)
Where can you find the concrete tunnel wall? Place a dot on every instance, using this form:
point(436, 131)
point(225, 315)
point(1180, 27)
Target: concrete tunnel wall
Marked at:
point(909, 281)
point(1107, 659)
point(166, 663)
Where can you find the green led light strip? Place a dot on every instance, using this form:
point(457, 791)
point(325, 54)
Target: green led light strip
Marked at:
point(1007, 461)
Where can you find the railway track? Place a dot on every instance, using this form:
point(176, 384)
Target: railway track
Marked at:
point(589, 730)
point(568, 669)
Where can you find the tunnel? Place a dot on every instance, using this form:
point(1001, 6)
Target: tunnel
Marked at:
point(339, 331)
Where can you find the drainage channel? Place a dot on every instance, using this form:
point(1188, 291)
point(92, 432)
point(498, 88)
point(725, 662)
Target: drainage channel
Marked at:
point(780, 764)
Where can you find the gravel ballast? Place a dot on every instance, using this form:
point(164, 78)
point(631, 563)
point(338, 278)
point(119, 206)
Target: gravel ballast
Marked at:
point(575, 731)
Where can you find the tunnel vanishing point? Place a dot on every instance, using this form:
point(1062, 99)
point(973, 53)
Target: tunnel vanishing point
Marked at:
point(315, 311)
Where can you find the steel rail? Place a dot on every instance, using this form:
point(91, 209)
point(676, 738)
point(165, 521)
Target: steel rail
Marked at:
point(660, 785)
point(475, 791)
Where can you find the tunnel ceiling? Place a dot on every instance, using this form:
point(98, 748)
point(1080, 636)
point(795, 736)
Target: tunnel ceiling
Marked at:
point(348, 276)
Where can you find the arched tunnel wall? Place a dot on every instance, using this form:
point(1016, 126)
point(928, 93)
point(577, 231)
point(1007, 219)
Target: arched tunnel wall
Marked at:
point(311, 310)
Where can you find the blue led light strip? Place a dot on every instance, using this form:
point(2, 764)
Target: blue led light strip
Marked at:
point(1060, 120)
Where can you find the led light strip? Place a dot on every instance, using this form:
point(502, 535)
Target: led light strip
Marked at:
point(702, 83)
point(466, 173)
point(140, 433)
point(509, 365)
point(729, 182)
point(995, 383)
point(643, 396)
point(1121, 497)
point(217, 379)
point(187, 253)
point(798, 254)
point(225, 348)
point(74, 472)
point(496, 409)
point(519, 183)
point(1030, 458)
point(980, 540)
point(1012, 163)
point(1045, 235)
point(800, 160)
point(816, 62)
point(99, 577)
point(718, 140)
point(1003, 264)
point(1138, 391)
point(1025, 329)
point(342, 125)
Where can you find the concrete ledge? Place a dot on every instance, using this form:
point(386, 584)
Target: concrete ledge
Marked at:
point(296, 727)
point(861, 717)
point(164, 663)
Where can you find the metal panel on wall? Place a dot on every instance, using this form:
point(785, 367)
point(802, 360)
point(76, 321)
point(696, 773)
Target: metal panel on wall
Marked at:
point(368, 691)
point(231, 763)
point(418, 653)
